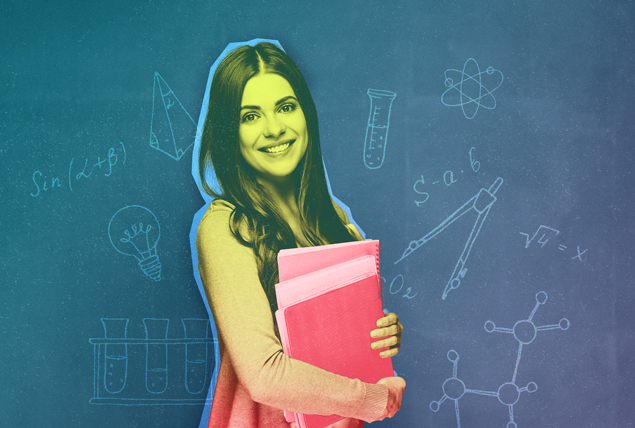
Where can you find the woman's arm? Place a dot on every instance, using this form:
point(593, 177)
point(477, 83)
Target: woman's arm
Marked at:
point(245, 324)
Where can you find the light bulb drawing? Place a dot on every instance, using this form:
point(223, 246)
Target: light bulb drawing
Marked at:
point(134, 231)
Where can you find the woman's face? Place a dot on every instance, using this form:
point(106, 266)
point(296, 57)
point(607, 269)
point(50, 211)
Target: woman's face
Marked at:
point(272, 133)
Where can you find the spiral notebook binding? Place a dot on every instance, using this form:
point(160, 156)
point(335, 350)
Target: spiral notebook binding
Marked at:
point(381, 284)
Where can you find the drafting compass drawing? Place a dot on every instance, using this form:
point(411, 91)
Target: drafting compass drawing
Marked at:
point(481, 203)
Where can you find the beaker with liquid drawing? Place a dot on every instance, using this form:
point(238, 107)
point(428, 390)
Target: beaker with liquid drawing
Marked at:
point(377, 128)
point(116, 362)
point(195, 354)
point(156, 354)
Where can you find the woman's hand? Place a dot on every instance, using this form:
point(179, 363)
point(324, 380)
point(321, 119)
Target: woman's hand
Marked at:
point(389, 325)
point(396, 387)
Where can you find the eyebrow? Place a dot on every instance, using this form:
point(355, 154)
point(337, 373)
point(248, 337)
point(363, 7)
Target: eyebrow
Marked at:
point(280, 101)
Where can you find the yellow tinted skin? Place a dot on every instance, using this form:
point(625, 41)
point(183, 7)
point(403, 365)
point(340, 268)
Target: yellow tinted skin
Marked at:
point(272, 131)
point(390, 329)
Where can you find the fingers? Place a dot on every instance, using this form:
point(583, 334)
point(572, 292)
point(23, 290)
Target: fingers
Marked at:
point(388, 319)
point(388, 353)
point(390, 329)
point(393, 330)
point(385, 343)
point(393, 342)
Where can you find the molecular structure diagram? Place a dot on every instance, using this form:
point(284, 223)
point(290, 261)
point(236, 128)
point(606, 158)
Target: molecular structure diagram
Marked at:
point(472, 93)
point(508, 394)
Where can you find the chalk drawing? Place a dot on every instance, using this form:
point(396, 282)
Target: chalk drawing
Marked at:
point(471, 88)
point(397, 284)
point(172, 129)
point(508, 393)
point(134, 231)
point(176, 371)
point(546, 233)
point(481, 203)
point(421, 187)
point(79, 171)
point(377, 128)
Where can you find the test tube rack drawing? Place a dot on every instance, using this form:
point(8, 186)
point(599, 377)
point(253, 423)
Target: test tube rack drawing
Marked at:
point(377, 128)
point(508, 394)
point(176, 371)
point(481, 203)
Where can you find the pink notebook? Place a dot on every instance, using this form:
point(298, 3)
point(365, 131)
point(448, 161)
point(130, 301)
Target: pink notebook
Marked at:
point(299, 261)
point(350, 292)
point(303, 287)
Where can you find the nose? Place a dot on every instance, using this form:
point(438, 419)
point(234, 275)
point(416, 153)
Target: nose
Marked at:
point(274, 127)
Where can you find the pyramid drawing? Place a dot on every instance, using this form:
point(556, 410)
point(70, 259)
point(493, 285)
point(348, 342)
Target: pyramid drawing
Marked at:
point(172, 130)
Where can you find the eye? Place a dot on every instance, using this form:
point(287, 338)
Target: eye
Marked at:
point(287, 108)
point(248, 117)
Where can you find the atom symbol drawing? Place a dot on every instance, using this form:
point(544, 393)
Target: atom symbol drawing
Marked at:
point(473, 88)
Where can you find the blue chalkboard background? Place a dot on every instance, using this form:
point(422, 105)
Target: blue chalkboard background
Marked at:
point(507, 164)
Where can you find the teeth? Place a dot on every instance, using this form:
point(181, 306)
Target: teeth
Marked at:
point(278, 149)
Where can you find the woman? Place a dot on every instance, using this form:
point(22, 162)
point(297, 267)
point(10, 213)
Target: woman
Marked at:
point(261, 137)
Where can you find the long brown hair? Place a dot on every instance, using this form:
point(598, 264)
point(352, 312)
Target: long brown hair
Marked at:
point(267, 232)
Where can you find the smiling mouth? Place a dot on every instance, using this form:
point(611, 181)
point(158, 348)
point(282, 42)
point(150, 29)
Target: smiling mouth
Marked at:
point(278, 149)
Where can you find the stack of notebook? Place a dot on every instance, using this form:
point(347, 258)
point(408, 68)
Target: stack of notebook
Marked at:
point(329, 300)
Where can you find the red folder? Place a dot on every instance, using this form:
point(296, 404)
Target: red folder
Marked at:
point(348, 292)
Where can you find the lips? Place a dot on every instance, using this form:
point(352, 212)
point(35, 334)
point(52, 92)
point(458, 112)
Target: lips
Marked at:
point(278, 148)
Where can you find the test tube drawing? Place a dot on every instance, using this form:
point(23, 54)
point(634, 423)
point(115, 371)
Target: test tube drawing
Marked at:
point(156, 355)
point(195, 354)
point(116, 363)
point(377, 128)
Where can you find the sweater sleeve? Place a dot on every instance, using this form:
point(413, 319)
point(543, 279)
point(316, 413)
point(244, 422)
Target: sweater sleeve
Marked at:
point(245, 324)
